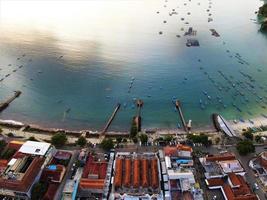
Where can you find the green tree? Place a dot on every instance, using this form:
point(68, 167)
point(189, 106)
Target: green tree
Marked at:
point(248, 135)
point(245, 147)
point(258, 139)
point(168, 138)
point(202, 139)
point(217, 140)
point(135, 140)
point(119, 139)
point(59, 139)
point(143, 138)
point(2, 145)
point(81, 141)
point(107, 144)
point(1, 130)
point(134, 130)
point(32, 138)
point(38, 190)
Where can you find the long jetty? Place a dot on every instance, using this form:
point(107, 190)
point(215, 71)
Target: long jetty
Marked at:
point(137, 118)
point(5, 104)
point(111, 118)
point(178, 106)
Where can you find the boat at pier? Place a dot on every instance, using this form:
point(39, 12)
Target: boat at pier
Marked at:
point(222, 125)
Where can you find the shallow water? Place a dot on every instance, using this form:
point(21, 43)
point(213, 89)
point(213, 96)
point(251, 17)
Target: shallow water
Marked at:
point(106, 43)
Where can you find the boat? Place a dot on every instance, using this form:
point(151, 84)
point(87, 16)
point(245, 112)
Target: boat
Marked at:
point(251, 121)
point(242, 120)
point(222, 125)
point(68, 110)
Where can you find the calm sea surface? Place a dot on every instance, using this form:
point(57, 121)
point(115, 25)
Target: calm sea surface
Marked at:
point(81, 57)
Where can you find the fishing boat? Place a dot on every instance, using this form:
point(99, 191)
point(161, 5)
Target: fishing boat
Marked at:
point(68, 110)
point(242, 120)
point(251, 121)
point(222, 125)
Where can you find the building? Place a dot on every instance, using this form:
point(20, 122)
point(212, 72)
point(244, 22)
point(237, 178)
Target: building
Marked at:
point(219, 166)
point(259, 165)
point(24, 168)
point(136, 176)
point(96, 176)
point(225, 172)
point(178, 173)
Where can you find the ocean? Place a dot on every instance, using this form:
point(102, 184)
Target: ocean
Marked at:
point(80, 58)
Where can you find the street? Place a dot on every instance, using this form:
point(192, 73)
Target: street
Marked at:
point(74, 156)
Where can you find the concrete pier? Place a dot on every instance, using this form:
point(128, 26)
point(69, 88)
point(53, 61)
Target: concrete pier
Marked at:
point(5, 104)
point(111, 118)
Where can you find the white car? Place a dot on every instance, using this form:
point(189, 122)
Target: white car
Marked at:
point(256, 186)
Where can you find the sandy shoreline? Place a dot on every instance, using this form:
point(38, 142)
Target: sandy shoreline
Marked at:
point(27, 130)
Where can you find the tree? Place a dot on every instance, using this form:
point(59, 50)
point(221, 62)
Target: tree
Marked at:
point(217, 140)
point(134, 130)
point(59, 139)
point(248, 135)
point(168, 138)
point(135, 140)
point(245, 147)
point(38, 190)
point(119, 139)
point(107, 144)
point(258, 139)
point(124, 140)
point(202, 138)
point(1, 130)
point(81, 141)
point(32, 138)
point(143, 138)
point(2, 145)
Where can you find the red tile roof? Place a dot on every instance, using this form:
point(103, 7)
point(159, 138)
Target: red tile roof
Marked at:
point(169, 151)
point(92, 183)
point(243, 192)
point(220, 157)
point(215, 182)
point(234, 179)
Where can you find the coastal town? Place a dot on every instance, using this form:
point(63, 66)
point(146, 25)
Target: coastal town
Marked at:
point(139, 139)
point(226, 162)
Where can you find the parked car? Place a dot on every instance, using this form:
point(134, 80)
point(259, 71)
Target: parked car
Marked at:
point(256, 186)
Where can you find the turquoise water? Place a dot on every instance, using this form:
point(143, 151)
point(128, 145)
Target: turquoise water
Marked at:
point(105, 44)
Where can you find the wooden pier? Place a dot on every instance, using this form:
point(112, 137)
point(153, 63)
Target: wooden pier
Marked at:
point(178, 106)
point(111, 118)
point(5, 104)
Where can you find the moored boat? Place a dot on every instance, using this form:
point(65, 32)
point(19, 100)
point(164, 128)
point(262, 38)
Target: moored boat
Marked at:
point(222, 125)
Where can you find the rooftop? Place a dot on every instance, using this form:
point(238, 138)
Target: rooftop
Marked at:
point(35, 148)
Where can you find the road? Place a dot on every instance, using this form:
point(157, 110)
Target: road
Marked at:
point(74, 156)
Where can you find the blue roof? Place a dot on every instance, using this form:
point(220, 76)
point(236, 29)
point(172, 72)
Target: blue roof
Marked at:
point(52, 167)
point(182, 161)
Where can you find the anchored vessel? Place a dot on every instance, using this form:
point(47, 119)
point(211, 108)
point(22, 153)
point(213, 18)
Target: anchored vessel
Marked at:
point(222, 125)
